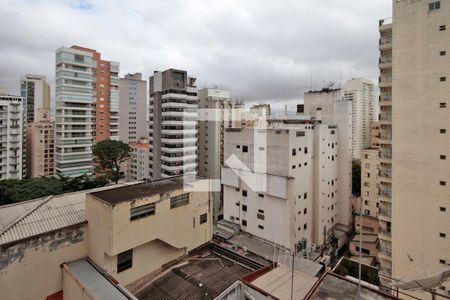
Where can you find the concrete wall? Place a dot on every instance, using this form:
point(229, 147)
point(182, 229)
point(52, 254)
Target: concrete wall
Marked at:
point(152, 240)
point(31, 269)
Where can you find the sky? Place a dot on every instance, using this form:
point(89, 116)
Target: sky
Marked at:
point(268, 51)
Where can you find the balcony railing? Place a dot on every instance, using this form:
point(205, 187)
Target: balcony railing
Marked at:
point(385, 116)
point(385, 231)
point(385, 212)
point(385, 251)
point(385, 135)
point(386, 194)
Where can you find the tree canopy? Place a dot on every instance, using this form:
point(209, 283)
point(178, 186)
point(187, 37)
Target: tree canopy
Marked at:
point(356, 178)
point(13, 190)
point(109, 155)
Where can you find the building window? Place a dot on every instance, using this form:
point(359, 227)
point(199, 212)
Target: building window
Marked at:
point(300, 133)
point(305, 226)
point(305, 195)
point(244, 222)
point(244, 193)
point(443, 105)
point(261, 227)
point(305, 211)
point(442, 53)
point(442, 235)
point(244, 148)
point(306, 150)
point(203, 218)
point(443, 157)
point(260, 216)
point(238, 146)
point(179, 200)
point(124, 260)
point(443, 209)
point(244, 207)
point(442, 131)
point(261, 195)
point(442, 261)
point(442, 79)
point(293, 166)
point(442, 28)
point(294, 152)
point(364, 251)
point(142, 211)
point(434, 5)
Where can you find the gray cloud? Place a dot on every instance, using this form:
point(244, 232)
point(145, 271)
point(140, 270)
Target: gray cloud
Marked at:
point(262, 50)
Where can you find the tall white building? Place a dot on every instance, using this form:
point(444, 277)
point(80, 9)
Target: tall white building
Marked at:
point(297, 161)
point(133, 108)
point(11, 135)
point(87, 107)
point(172, 124)
point(328, 106)
point(361, 93)
point(218, 111)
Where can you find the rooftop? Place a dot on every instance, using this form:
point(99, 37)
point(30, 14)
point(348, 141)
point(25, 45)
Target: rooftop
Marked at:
point(32, 218)
point(204, 274)
point(94, 282)
point(126, 193)
point(333, 286)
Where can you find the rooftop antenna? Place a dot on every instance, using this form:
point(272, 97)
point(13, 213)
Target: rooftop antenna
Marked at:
point(340, 79)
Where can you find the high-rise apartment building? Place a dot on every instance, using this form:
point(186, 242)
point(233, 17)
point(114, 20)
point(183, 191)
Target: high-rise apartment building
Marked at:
point(11, 135)
point(300, 196)
point(40, 145)
point(362, 95)
point(374, 132)
point(87, 107)
point(133, 108)
point(329, 106)
point(172, 123)
point(35, 92)
point(217, 111)
point(414, 143)
point(137, 166)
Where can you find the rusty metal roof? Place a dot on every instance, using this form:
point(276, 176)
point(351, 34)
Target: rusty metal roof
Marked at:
point(49, 214)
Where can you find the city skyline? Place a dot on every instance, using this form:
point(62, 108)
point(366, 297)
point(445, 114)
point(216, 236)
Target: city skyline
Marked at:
point(267, 62)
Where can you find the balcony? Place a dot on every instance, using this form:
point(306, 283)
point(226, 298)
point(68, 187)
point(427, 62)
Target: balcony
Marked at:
point(385, 117)
point(385, 251)
point(385, 213)
point(385, 234)
point(385, 99)
point(385, 176)
point(385, 25)
point(385, 44)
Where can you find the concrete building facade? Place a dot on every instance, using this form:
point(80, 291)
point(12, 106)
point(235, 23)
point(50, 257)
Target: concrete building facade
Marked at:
point(121, 230)
point(137, 165)
point(133, 108)
point(217, 111)
point(300, 196)
point(261, 110)
point(329, 106)
point(361, 93)
point(41, 145)
point(11, 135)
point(414, 75)
point(87, 107)
point(35, 91)
point(173, 123)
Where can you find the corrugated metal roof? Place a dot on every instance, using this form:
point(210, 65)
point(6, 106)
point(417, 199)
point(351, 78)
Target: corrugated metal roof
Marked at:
point(55, 212)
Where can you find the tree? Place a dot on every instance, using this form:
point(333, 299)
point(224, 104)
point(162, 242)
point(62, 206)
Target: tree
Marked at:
point(356, 178)
point(110, 155)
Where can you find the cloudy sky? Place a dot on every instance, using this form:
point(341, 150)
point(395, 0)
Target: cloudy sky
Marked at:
point(262, 50)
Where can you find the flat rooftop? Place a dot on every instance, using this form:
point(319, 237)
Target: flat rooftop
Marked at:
point(332, 286)
point(204, 274)
point(126, 193)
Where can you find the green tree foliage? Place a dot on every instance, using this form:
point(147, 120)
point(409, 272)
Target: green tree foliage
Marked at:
point(356, 178)
point(110, 155)
point(12, 190)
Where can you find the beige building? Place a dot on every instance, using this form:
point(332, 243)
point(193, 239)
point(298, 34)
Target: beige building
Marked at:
point(137, 165)
point(122, 231)
point(281, 185)
point(217, 111)
point(414, 141)
point(374, 133)
point(40, 145)
point(133, 108)
point(360, 92)
point(329, 106)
